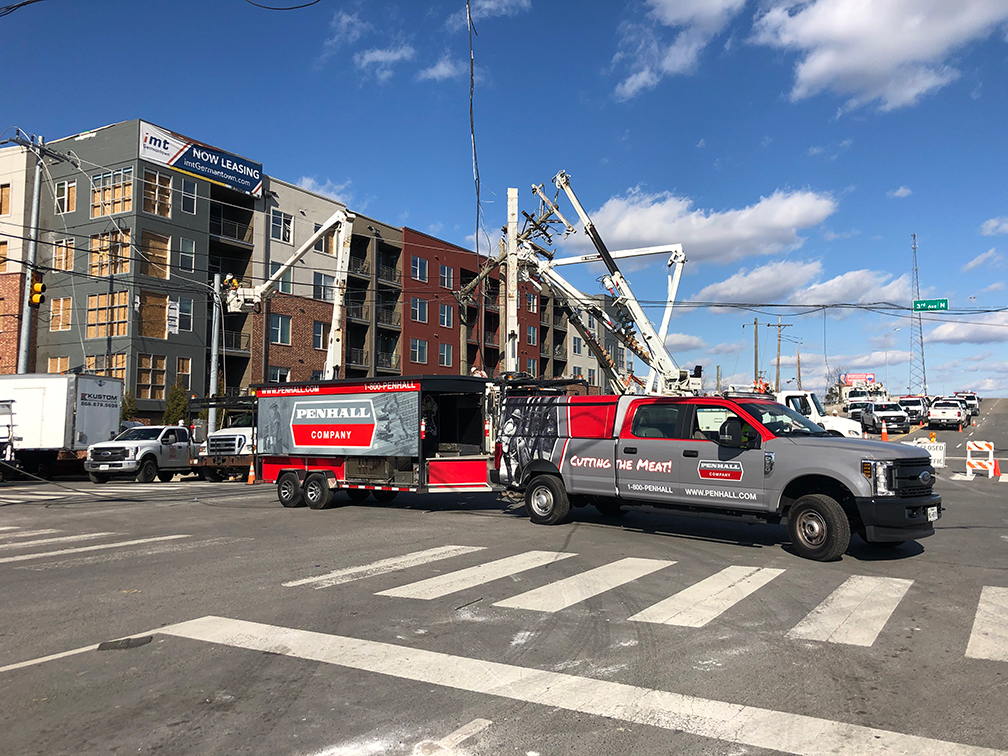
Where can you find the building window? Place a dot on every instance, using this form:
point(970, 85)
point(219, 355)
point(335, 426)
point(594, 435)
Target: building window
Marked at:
point(59, 364)
point(320, 335)
point(280, 226)
point(279, 374)
point(418, 310)
point(622, 355)
point(63, 254)
point(59, 319)
point(532, 365)
point(576, 372)
point(188, 196)
point(154, 255)
point(591, 376)
point(4, 199)
point(447, 317)
point(280, 329)
point(66, 196)
point(107, 315)
point(150, 383)
point(532, 302)
point(418, 351)
point(320, 245)
point(445, 355)
point(183, 371)
point(185, 314)
point(447, 276)
point(577, 345)
point(187, 255)
point(110, 253)
point(316, 375)
point(111, 365)
point(324, 287)
point(157, 193)
point(591, 321)
point(532, 335)
point(419, 269)
point(153, 315)
point(286, 283)
point(112, 192)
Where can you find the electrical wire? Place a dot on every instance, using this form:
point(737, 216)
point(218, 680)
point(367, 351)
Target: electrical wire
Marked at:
point(6, 10)
point(278, 8)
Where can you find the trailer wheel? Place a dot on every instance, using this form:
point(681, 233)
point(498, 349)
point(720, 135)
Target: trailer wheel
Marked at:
point(317, 494)
point(165, 476)
point(289, 490)
point(148, 471)
point(546, 500)
point(98, 478)
point(357, 494)
point(819, 528)
point(384, 497)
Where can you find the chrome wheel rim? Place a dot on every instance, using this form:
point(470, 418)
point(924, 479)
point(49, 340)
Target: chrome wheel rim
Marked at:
point(811, 528)
point(542, 501)
point(313, 492)
point(287, 490)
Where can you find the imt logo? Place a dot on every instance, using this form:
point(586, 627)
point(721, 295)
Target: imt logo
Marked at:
point(156, 142)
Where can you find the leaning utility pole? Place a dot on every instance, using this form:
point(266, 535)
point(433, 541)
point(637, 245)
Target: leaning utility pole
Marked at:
point(755, 370)
point(28, 267)
point(798, 352)
point(780, 327)
point(214, 349)
point(918, 375)
point(511, 282)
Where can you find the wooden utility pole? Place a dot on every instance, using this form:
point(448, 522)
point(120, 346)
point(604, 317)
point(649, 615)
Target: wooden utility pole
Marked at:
point(755, 370)
point(719, 379)
point(798, 351)
point(780, 327)
point(511, 286)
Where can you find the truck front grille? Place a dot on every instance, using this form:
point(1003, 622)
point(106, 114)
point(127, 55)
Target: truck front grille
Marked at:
point(907, 477)
point(219, 446)
point(109, 455)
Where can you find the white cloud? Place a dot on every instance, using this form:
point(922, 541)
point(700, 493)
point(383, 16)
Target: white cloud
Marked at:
point(815, 150)
point(701, 144)
point(996, 286)
point(379, 61)
point(890, 51)
point(329, 188)
point(639, 219)
point(857, 286)
point(994, 226)
point(903, 191)
point(481, 9)
point(981, 329)
point(684, 342)
point(693, 22)
point(774, 282)
point(833, 236)
point(990, 257)
point(347, 29)
point(445, 68)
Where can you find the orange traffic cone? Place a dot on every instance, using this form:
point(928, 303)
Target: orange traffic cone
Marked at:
point(251, 476)
point(997, 469)
point(960, 427)
point(885, 433)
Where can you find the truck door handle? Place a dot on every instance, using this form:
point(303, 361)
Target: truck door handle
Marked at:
point(629, 449)
point(690, 453)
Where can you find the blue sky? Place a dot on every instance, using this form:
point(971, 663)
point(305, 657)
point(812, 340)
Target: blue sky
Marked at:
point(791, 147)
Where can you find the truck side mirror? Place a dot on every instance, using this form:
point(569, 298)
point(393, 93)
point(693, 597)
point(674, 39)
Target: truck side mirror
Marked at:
point(731, 433)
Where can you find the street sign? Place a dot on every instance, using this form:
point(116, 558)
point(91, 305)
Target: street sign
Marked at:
point(930, 305)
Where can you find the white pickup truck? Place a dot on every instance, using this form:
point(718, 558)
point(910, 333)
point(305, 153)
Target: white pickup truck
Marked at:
point(145, 452)
point(808, 404)
point(946, 414)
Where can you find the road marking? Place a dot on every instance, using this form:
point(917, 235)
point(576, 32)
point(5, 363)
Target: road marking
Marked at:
point(81, 549)
point(989, 639)
point(708, 599)
point(51, 657)
point(572, 590)
point(720, 720)
point(9, 527)
point(338, 577)
point(58, 539)
point(447, 744)
point(29, 533)
point(854, 613)
point(442, 585)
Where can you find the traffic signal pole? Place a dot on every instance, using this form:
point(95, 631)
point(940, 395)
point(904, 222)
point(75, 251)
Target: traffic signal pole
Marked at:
point(28, 266)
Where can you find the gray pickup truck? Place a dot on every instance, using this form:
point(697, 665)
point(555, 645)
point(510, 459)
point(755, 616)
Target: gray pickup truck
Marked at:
point(748, 458)
point(145, 452)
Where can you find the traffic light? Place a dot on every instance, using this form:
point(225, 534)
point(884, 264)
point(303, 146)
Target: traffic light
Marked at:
point(37, 294)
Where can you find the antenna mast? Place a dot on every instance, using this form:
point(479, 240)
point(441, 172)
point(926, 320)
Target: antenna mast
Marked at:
point(918, 375)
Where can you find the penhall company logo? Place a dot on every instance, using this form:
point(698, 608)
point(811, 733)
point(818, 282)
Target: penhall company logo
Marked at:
point(717, 470)
point(333, 422)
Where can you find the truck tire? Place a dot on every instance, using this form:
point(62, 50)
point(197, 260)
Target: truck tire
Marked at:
point(316, 491)
point(357, 494)
point(819, 528)
point(289, 490)
point(609, 507)
point(98, 478)
point(384, 497)
point(165, 476)
point(212, 474)
point(147, 472)
point(546, 500)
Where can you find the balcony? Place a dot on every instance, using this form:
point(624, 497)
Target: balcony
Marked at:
point(387, 361)
point(232, 230)
point(358, 357)
point(358, 311)
point(544, 318)
point(237, 341)
point(389, 274)
point(491, 339)
point(359, 266)
point(560, 322)
point(492, 303)
point(386, 317)
point(560, 352)
point(544, 351)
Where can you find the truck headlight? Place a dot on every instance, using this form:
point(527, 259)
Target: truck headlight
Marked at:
point(90, 453)
point(203, 448)
point(881, 476)
point(131, 452)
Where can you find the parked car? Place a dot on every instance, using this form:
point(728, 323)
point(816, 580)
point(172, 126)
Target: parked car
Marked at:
point(147, 452)
point(914, 406)
point(895, 418)
point(946, 413)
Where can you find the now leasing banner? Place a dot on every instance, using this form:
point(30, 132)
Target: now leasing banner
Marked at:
point(176, 151)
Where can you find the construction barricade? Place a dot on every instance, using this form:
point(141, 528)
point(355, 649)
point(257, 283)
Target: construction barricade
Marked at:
point(980, 465)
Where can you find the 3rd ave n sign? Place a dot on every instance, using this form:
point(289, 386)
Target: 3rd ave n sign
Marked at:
point(930, 305)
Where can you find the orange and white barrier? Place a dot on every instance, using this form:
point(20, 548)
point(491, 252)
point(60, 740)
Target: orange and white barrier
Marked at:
point(980, 465)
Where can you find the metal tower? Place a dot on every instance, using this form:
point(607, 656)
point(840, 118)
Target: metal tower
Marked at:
point(918, 375)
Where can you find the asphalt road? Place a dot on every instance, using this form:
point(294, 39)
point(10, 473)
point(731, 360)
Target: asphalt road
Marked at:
point(417, 627)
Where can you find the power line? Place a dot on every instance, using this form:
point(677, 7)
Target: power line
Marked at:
point(276, 8)
point(6, 10)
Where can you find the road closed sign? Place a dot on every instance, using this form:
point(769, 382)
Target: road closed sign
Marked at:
point(935, 448)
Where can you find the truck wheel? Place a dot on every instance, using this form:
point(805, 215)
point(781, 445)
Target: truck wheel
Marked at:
point(819, 528)
point(165, 476)
point(317, 494)
point(546, 500)
point(609, 507)
point(357, 494)
point(289, 490)
point(98, 478)
point(147, 472)
point(212, 474)
point(384, 497)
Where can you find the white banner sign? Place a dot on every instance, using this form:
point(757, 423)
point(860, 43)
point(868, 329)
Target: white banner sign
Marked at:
point(935, 448)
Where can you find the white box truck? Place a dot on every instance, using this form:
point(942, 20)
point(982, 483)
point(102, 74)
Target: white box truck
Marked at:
point(56, 417)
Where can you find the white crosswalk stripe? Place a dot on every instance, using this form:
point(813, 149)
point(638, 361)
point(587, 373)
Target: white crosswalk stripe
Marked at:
point(700, 603)
point(9, 527)
point(854, 613)
point(57, 539)
point(27, 533)
point(453, 582)
point(382, 566)
point(583, 586)
point(989, 638)
point(94, 547)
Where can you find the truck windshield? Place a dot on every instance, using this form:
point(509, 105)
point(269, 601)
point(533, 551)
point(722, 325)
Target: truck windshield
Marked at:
point(818, 405)
point(887, 408)
point(243, 420)
point(139, 434)
point(781, 420)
